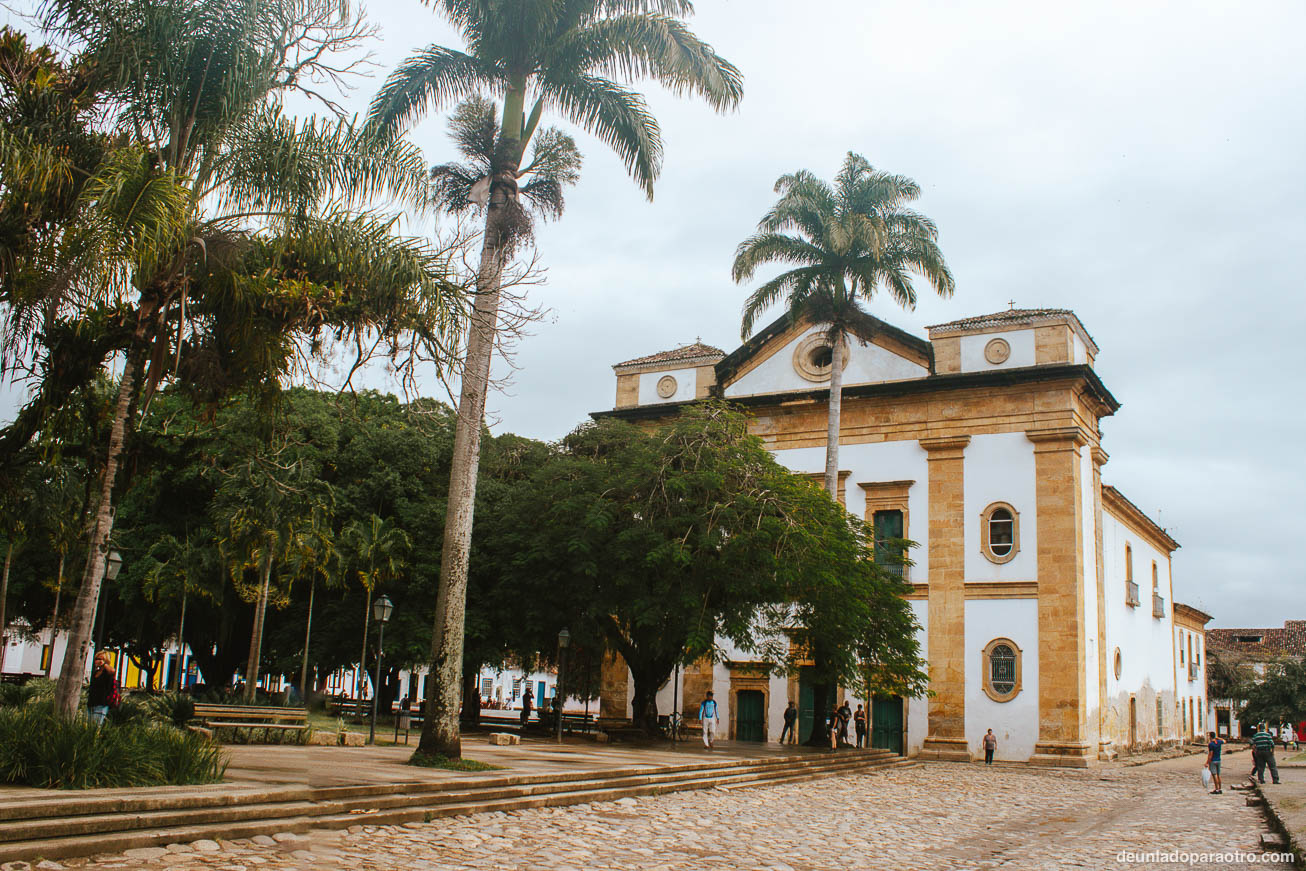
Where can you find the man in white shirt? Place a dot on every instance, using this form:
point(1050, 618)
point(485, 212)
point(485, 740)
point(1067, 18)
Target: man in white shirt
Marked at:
point(707, 713)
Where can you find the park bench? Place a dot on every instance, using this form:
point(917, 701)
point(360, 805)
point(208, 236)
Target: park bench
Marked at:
point(251, 717)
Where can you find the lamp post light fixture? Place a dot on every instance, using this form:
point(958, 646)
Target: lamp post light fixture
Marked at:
point(564, 639)
point(381, 610)
point(112, 565)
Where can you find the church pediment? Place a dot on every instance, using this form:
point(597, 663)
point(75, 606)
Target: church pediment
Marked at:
point(788, 356)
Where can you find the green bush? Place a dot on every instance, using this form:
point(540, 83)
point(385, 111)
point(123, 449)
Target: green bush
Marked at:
point(35, 690)
point(175, 709)
point(40, 749)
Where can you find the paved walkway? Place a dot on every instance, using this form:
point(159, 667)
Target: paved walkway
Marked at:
point(933, 816)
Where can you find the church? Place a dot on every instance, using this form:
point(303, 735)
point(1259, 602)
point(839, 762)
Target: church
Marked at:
point(1045, 597)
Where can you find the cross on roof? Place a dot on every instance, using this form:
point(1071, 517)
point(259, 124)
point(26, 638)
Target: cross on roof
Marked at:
point(1011, 305)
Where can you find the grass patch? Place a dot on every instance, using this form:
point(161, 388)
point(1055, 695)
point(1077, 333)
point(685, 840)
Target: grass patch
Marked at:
point(427, 760)
point(38, 748)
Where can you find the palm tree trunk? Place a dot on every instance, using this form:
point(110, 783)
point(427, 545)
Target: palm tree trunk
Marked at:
point(308, 633)
point(440, 734)
point(256, 637)
point(832, 422)
point(54, 620)
point(68, 693)
point(361, 680)
point(181, 639)
point(4, 597)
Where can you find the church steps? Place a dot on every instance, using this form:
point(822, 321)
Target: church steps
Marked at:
point(65, 835)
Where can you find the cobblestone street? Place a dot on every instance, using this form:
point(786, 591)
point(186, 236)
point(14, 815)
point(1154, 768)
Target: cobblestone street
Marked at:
point(934, 816)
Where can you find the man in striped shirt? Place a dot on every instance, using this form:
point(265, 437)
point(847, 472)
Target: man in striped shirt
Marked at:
point(1263, 747)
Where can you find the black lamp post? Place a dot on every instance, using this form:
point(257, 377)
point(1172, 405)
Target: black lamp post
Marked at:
point(564, 639)
point(381, 609)
point(112, 565)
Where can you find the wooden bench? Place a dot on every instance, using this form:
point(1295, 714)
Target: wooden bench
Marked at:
point(252, 717)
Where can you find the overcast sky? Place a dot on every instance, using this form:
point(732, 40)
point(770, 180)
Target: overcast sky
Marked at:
point(1138, 162)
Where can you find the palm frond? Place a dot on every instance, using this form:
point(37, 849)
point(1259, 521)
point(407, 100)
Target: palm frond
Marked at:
point(431, 79)
point(617, 116)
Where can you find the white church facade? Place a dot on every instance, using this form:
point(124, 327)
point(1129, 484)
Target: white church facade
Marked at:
point(1045, 598)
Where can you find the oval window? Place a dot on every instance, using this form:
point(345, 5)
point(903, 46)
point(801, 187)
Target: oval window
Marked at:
point(1000, 532)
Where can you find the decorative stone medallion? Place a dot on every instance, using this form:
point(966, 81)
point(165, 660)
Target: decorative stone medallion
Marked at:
point(667, 386)
point(997, 351)
point(812, 358)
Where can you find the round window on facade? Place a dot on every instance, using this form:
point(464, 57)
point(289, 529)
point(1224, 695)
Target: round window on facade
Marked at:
point(667, 386)
point(1001, 670)
point(997, 351)
point(814, 357)
point(1000, 532)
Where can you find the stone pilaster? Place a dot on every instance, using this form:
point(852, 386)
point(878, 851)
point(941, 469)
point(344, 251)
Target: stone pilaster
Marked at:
point(1105, 751)
point(1062, 691)
point(946, 738)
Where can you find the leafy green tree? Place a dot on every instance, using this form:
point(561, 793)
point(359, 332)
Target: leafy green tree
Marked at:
point(1278, 696)
point(214, 239)
point(663, 542)
point(845, 243)
point(566, 56)
point(375, 552)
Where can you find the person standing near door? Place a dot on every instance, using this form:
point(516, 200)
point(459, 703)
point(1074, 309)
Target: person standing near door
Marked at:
point(527, 702)
point(859, 724)
point(790, 730)
point(990, 744)
point(707, 714)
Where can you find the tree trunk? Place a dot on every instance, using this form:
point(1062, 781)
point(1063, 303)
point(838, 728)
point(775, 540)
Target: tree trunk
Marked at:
point(181, 641)
point(54, 620)
point(471, 696)
point(822, 703)
point(4, 598)
point(68, 694)
point(256, 636)
point(360, 682)
point(308, 634)
point(440, 727)
point(832, 421)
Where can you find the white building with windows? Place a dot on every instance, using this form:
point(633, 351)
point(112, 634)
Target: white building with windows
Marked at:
point(1045, 598)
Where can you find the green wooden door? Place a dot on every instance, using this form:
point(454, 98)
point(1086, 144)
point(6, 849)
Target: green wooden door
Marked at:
point(886, 723)
point(806, 705)
point(750, 716)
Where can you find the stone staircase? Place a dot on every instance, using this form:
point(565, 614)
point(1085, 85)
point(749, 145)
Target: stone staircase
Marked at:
point(71, 825)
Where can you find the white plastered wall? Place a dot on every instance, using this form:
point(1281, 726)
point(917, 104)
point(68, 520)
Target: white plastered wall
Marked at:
point(1015, 722)
point(686, 386)
point(1145, 642)
point(1022, 350)
point(918, 710)
point(866, 364)
point(1000, 468)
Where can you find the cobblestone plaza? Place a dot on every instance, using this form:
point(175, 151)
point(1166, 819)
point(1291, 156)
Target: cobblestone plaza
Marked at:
point(933, 816)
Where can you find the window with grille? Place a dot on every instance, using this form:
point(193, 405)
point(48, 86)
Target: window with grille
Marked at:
point(888, 540)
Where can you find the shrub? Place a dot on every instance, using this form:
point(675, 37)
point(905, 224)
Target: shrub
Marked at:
point(40, 749)
point(35, 690)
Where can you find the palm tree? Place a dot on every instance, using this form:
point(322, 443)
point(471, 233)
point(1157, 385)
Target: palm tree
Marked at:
point(845, 242)
point(210, 240)
point(564, 56)
point(376, 552)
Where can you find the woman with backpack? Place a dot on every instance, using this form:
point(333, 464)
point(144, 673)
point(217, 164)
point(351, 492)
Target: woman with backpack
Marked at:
point(103, 693)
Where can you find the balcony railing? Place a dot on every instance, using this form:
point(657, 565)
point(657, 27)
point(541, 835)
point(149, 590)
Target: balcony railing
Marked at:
point(1192, 671)
point(1131, 594)
point(1158, 605)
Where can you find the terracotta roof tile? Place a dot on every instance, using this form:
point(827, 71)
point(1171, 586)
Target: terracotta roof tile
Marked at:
point(1288, 641)
point(684, 352)
point(1003, 318)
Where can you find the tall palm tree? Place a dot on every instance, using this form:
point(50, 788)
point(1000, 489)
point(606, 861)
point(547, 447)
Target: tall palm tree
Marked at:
point(211, 240)
point(846, 242)
point(376, 551)
point(557, 55)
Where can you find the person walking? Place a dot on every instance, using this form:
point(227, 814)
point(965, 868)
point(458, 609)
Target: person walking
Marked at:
point(859, 725)
point(834, 728)
point(527, 702)
point(1263, 744)
point(990, 745)
point(708, 716)
point(103, 693)
point(790, 729)
point(845, 716)
point(1213, 749)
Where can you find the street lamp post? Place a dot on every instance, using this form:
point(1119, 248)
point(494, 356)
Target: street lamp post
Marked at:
point(381, 609)
point(564, 639)
point(112, 565)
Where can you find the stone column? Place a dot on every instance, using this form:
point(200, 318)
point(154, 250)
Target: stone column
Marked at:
point(1105, 751)
point(1062, 647)
point(946, 738)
